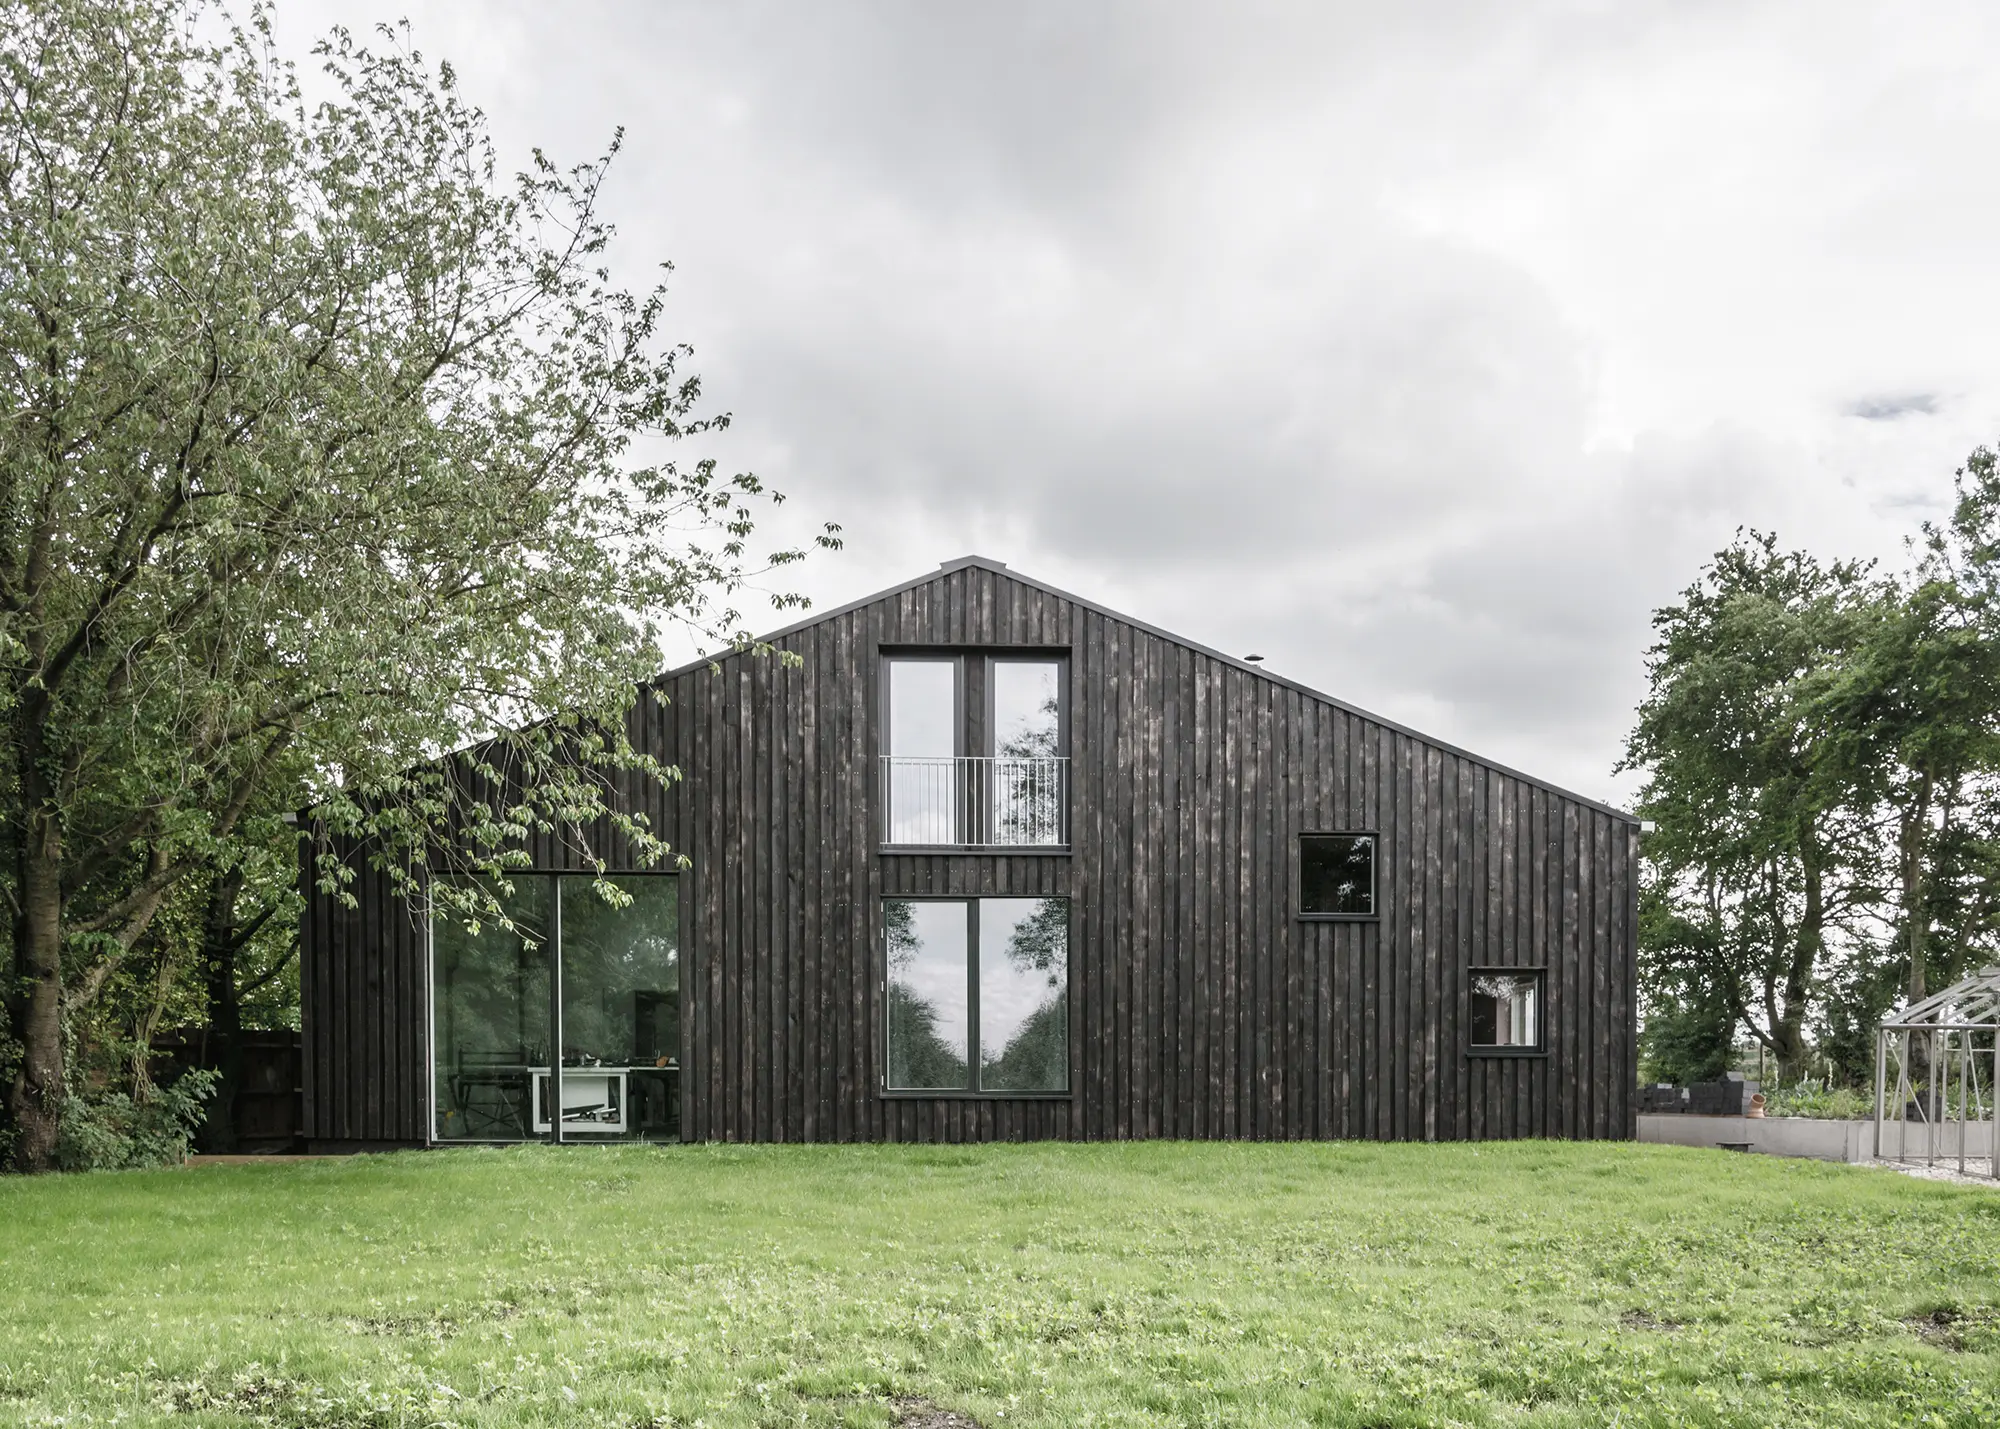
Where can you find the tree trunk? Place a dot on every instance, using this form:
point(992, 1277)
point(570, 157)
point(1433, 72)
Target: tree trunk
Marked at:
point(148, 1023)
point(1911, 828)
point(1788, 1039)
point(1788, 1045)
point(224, 1050)
point(35, 1100)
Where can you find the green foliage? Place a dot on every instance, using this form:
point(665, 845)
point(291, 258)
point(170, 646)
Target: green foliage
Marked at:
point(1762, 851)
point(1539, 1285)
point(110, 1131)
point(1686, 1042)
point(1821, 748)
point(1813, 1100)
point(329, 449)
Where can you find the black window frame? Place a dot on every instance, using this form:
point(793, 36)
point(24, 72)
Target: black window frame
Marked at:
point(1540, 973)
point(973, 1061)
point(973, 720)
point(1374, 913)
point(685, 894)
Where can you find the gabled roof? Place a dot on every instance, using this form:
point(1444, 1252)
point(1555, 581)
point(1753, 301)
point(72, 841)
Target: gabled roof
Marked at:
point(1000, 568)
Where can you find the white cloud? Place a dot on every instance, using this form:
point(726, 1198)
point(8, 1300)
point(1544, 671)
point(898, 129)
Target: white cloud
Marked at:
point(1423, 348)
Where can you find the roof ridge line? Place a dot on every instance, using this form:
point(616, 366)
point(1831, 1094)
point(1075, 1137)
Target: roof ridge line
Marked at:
point(1000, 568)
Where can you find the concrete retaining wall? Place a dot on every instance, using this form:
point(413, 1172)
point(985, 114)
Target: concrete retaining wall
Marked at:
point(1811, 1138)
point(1768, 1135)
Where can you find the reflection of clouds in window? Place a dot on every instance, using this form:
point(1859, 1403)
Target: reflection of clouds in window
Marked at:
point(1023, 979)
point(929, 1020)
point(1026, 713)
point(922, 706)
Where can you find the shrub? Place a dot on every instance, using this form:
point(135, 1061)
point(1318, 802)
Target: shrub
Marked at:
point(1811, 1099)
point(111, 1132)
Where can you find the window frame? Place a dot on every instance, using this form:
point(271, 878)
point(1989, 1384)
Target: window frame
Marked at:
point(685, 892)
point(990, 716)
point(1374, 913)
point(972, 729)
point(1540, 973)
point(973, 1063)
point(953, 658)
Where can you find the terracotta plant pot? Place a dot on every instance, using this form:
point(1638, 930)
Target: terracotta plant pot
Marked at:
point(1756, 1104)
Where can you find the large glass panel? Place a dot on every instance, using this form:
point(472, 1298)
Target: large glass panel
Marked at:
point(1026, 773)
point(490, 1001)
point(1023, 994)
point(930, 1029)
point(1507, 1009)
point(621, 1009)
point(1027, 710)
point(923, 745)
point(1337, 874)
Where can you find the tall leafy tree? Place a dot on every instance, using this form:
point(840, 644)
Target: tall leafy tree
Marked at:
point(1763, 853)
point(323, 448)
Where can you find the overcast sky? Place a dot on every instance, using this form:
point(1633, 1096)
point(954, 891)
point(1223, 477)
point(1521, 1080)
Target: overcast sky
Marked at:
point(1423, 349)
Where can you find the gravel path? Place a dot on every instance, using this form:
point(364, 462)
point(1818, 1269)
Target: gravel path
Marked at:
point(1979, 1171)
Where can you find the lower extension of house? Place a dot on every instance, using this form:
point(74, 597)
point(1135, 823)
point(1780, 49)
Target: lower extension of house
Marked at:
point(989, 861)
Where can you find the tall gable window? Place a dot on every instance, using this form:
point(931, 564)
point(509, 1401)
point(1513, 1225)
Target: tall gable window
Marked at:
point(975, 751)
point(1337, 875)
point(978, 995)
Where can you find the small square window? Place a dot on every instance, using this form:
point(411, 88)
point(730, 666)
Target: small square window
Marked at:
point(1507, 1010)
point(1337, 875)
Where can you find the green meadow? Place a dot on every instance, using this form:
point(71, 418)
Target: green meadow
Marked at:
point(1136, 1284)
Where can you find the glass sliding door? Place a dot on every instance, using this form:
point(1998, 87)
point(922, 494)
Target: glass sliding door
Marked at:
point(490, 1011)
point(621, 1009)
point(615, 1074)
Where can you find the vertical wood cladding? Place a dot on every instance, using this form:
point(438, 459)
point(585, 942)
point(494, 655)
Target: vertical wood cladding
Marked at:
point(1200, 1005)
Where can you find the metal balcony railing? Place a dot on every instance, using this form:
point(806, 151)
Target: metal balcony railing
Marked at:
point(975, 802)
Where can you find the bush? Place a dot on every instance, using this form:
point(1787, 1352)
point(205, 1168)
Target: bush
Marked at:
point(111, 1132)
point(1811, 1099)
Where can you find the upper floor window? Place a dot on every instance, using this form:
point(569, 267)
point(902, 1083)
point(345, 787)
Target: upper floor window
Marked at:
point(975, 751)
point(1337, 875)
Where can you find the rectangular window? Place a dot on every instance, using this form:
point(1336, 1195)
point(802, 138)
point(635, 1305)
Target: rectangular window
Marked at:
point(1507, 1010)
point(930, 997)
point(978, 995)
point(596, 979)
point(924, 774)
point(1337, 875)
point(975, 750)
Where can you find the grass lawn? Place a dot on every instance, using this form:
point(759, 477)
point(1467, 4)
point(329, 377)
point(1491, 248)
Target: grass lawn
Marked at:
point(1501, 1284)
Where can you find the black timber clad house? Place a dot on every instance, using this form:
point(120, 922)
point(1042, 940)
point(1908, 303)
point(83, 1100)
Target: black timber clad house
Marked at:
point(992, 862)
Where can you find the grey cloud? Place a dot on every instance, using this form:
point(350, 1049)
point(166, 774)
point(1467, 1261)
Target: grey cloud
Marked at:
point(1311, 329)
point(1887, 409)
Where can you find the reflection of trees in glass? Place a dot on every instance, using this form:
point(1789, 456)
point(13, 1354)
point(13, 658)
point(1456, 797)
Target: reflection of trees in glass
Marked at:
point(1040, 942)
point(1036, 1056)
point(1027, 793)
point(621, 966)
point(492, 1008)
point(1337, 873)
point(1037, 1059)
point(1504, 1013)
point(1033, 738)
point(920, 1057)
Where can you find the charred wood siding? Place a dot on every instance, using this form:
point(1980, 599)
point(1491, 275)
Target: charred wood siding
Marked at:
point(1201, 1006)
